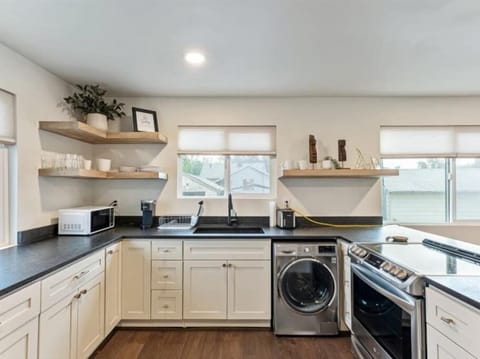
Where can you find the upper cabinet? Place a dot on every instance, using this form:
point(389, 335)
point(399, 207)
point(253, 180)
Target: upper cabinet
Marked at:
point(83, 132)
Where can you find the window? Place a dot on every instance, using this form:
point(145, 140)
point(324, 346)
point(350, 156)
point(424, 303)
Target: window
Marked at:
point(214, 161)
point(7, 140)
point(443, 186)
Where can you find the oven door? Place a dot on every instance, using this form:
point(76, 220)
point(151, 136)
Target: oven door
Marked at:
point(387, 322)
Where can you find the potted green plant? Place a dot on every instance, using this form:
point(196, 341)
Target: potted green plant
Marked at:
point(89, 103)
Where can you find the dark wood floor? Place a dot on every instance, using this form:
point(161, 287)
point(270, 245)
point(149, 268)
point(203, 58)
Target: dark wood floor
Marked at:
point(219, 343)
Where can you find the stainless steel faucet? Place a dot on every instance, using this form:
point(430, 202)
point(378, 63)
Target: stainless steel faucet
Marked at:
point(232, 215)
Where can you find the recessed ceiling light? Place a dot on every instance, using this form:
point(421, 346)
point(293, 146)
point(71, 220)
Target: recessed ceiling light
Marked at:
point(195, 58)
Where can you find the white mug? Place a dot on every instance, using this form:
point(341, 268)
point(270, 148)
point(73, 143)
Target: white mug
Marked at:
point(103, 164)
point(303, 165)
point(87, 164)
point(287, 165)
point(327, 164)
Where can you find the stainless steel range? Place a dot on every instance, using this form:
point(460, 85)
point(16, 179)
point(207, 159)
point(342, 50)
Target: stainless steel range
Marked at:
point(388, 289)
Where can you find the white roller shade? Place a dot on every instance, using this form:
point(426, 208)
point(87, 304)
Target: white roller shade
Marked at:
point(240, 140)
point(7, 118)
point(430, 141)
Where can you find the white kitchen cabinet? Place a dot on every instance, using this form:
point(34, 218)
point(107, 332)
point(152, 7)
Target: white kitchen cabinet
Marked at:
point(113, 286)
point(440, 347)
point(167, 304)
point(74, 327)
point(136, 268)
point(205, 290)
point(58, 330)
point(91, 319)
point(248, 290)
point(167, 275)
point(452, 323)
point(21, 343)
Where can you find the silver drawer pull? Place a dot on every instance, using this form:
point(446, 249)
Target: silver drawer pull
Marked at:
point(110, 252)
point(165, 306)
point(165, 276)
point(82, 274)
point(448, 321)
point(166, 250)
point(77, 296)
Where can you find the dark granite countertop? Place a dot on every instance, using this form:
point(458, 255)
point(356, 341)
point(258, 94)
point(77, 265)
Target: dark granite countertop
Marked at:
point(465, 288)
point(23, 264)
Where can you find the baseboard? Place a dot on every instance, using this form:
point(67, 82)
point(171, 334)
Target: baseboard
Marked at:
point(194, 323)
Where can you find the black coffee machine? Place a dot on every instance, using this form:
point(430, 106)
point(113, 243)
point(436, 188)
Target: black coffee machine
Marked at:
point(148, 212)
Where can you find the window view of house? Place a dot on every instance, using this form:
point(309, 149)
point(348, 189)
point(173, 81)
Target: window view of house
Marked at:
point(421, 193)
point(418, 194)
point(214, 176)
point(467, 190)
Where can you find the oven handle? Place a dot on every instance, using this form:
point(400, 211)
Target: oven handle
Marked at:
point(398, 297)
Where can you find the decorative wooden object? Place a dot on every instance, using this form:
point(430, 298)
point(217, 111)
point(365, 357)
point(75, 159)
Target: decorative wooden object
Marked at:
point(342, 152)
point(83, 132)
point(312, 143)
point(94, 174)
point(340, 173)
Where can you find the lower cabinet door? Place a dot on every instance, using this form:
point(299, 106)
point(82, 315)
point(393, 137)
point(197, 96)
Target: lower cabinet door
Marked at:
point(249, 290)
point(91, 316)
point(21, 343)
point(205, 290)
point(167, 304)
point(440, 347)
point(136, 271)
point(113, 286)
point(58, 330)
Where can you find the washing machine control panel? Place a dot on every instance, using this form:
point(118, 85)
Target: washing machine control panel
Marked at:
point(307, 250)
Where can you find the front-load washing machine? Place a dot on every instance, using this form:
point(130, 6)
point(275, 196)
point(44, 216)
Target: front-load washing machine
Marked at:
point(305, 288)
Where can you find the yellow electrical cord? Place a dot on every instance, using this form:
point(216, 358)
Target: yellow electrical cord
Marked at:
point(335, 225)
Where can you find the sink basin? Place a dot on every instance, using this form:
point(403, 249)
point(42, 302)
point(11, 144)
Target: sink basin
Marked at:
point(228, 230)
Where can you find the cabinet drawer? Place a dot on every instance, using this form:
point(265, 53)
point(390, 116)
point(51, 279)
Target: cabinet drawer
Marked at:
point(167, 250)
point(18, 308)
point(227, 249)
point(21, 343)
point(454, 319)
point(440, 347)
point(166, 304)
point(167, 274)
point(63, 283)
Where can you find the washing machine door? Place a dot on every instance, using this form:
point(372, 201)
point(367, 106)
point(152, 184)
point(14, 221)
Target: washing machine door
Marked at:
point(307, 285)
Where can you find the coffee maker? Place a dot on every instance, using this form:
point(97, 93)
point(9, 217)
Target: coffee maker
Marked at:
point(148, 212)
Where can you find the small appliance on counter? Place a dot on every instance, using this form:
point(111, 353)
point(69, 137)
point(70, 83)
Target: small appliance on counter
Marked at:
point(85, 221)
point(286, 217)
point(147, 207)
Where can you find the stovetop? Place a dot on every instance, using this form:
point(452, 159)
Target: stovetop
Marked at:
point(405, 265)
point(424, 260)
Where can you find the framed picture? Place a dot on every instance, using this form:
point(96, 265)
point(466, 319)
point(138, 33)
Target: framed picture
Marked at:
point(144, 120)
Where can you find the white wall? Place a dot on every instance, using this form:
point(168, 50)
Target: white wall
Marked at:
point(355, 119)
point(38, 95)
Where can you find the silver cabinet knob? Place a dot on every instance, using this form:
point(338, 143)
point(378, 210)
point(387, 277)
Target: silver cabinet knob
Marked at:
point(224, 265)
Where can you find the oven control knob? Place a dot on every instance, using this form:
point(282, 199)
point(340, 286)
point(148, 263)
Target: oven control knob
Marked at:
point(306, 250)
point(354, 249)
point(362, 253)
point(402, 275)
point(386, 266)
point(395, 270)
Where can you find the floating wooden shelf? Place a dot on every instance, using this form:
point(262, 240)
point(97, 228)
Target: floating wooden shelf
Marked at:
point(354, 173)
point(80, 173)
point(83, 132)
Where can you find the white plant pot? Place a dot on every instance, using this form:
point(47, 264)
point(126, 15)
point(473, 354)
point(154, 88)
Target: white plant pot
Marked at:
point(98, 121)
point(114, 126)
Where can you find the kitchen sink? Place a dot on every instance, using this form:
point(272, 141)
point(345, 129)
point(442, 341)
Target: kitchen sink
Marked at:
point(229, 230)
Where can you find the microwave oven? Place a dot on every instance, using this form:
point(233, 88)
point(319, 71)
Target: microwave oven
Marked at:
point(86, 220)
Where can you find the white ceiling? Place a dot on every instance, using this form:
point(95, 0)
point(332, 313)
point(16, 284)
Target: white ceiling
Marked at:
point(253, 47)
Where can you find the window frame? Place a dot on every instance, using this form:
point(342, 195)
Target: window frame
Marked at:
point(5, 195)
point(227, 158)
point(450, 196)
